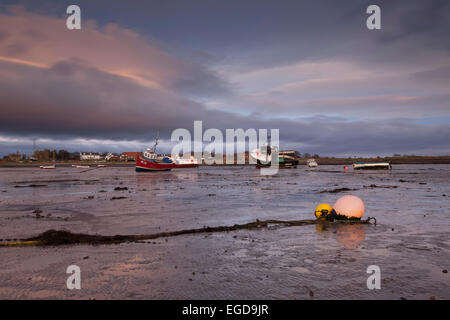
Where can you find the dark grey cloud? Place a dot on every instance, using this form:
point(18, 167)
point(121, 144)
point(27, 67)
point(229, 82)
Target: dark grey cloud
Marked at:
point(76, 100)
point(70, 101)
point(373, 138)
point(255, 33)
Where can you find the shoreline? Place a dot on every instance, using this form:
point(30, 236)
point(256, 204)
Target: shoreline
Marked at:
point(302, 161)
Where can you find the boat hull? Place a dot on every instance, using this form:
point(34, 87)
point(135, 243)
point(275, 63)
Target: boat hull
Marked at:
point(372, 166)
point(145, 165)
point(141, 169)
point(282, 164)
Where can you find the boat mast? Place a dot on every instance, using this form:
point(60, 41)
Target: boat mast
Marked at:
point(156, 143)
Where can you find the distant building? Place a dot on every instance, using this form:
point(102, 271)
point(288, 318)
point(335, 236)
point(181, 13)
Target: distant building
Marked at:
point(129, 156)
point(14, 157)
point(41, 155)
point(85, 156)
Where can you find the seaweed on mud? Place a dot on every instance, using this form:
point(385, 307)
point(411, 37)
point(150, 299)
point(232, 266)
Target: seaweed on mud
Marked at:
point(349, 189)
point(118, 198)
point(376, 186)
point(61, 237)
point(337, 190)
point(58, 180)
point(31, 186)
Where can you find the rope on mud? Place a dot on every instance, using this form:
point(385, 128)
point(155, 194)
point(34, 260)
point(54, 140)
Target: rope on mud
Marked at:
point(56, 238)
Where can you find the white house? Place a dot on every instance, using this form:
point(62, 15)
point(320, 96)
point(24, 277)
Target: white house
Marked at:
point(90, 156)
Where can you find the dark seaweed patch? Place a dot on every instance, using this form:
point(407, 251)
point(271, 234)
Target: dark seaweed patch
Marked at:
point(31, 186)
point(61, 237)
point(118, 198)
point(338, 190)
point(376, 186)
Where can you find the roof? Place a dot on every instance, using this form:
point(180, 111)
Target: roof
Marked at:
point(90, 153)
point(131, 154)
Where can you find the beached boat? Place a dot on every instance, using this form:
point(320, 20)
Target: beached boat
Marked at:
point(311, 163)
point(150, 161)
point(48, 167)
point(264, 154)
point(144, 164)
point(372, 166)
point(185, 163)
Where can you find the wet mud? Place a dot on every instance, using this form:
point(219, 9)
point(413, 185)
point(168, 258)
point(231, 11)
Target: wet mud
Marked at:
point(410, 242)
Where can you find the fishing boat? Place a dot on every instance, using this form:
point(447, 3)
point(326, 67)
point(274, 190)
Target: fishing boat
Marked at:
point(372, 166)
point(150, 161)
point(48, 167)
point(264, 154)
point(185, 163)
point(311, 163)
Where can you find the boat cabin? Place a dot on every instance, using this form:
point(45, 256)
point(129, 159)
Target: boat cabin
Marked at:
point(149, 154)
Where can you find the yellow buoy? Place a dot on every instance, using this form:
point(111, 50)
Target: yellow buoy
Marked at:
point(323, 210)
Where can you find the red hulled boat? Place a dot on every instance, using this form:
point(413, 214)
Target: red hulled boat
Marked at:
point(145, 164)
point(151, 162)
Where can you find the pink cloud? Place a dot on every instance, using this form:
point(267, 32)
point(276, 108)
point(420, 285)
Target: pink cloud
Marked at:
point(34, 39)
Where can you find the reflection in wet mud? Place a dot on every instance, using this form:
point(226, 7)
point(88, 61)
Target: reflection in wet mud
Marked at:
point(348, 235)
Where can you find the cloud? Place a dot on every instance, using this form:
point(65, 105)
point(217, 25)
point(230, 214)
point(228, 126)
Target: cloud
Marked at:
point(43, 40)
point(323, 60)
point(348, 138)
point(98, 82)
point(325, 136)
point(84, 89)
point(341, 89)
point(75, 100)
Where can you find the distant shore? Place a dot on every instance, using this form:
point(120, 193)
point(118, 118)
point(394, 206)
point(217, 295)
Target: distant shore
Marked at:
point(302, 161)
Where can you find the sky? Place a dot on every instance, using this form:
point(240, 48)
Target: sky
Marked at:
point(311, 69)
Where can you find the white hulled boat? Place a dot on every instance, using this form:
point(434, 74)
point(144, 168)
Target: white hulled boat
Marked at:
point(311, 163)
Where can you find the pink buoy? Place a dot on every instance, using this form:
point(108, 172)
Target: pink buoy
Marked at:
point(349, 206)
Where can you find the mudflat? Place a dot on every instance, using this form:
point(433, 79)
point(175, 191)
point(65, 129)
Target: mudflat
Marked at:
point(410, 242)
